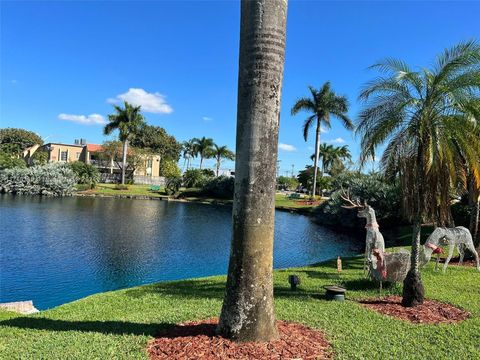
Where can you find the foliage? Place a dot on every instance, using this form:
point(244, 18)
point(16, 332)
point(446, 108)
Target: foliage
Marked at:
point(189, 151)
point(170, 169)
point(172, 184)
point(287, 183)
point(382, 196)
point(14, 141)
point(10, 161)
point(40, 157)
point(121, 187)
point(204, 148)
point(220, 187)
point(158, 141)
point(194, 178)
point(332, 156)
point(220, 153)
point(208, 173)
point(305, 178)
point(119, 324)
point(51, 179)
point(85, 173)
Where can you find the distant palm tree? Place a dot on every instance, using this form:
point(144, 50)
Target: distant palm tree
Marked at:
point(321, 105)
point(188, 152)
point(222, 152)
point(331, 154)
point(127, 121)
point(204, 148)
point(428, 117)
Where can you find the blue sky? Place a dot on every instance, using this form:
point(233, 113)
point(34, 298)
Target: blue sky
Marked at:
point(63, 63)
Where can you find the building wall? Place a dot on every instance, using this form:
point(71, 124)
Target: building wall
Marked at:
point(64, 153)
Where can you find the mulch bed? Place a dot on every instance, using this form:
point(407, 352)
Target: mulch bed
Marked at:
point(454, 261)
point(430, 312)
point(197, 340)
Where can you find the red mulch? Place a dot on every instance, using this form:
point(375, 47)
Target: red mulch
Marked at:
point(454, 261)
point(197, 340)
point(430, 312)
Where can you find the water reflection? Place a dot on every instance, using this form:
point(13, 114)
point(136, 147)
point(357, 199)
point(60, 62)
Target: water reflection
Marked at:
point(58, 250)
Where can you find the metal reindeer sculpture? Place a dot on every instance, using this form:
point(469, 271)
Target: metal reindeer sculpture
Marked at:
point(458, 236)
point(374, 238)
point(382, 266)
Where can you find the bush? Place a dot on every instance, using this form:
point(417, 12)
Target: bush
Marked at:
point(9, 161)
point(170, 169)
point(172, 185)
point(86, 173)
point(287, 183)
point(51, 180)
point(383, 197)
point(194, 178)
point(220, 187)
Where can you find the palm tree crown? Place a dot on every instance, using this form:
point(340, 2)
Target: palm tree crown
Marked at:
point(203, 147)
point(222, 152)
point(428, 119)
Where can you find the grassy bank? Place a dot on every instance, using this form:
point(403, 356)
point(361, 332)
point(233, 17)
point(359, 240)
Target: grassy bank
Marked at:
point(118, 325)
point(194, 195)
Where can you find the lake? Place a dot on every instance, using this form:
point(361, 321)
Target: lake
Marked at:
point(56, 250)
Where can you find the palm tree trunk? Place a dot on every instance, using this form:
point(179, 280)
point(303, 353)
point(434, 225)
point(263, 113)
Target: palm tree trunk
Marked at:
point(201, 161)
point(413, 291)
point(248, 312)
point(474, 204)
point(218, 166)
point(315, 161)
point(124, 160)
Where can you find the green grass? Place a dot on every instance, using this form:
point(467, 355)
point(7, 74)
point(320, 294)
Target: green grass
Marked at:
point(136, 190)
point(118, 325)
point(281, 201)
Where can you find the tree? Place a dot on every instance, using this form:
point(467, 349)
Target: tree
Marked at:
point(221, 152)
point(14, 141)
point(7, 161)
point(322, 104)
point(426, 118)
point(85, 173)
point(248, 312)
point(330, 155)
point(287, 182)
point(158, 141)
point(189, 151)
point(127, 121)
point(204, 148)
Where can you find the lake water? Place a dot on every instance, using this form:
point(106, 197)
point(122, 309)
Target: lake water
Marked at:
point(56, 250)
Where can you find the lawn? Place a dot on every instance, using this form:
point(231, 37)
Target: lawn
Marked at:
point(118, 325)
point(136, 190)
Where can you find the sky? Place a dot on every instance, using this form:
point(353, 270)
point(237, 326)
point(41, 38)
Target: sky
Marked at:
point(64, 63)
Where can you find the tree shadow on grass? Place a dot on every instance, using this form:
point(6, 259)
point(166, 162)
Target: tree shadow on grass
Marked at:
point(104, 327)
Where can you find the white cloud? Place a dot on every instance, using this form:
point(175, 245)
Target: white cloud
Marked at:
point(92, 119)
point(287, 147)
point(150, 102)
point(338, 140)
point(206, 118)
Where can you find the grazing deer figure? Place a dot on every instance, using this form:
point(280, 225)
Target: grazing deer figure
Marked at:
point(374, 238)
point(458, 236)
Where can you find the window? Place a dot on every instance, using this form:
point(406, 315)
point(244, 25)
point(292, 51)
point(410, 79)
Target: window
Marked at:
point(63, 156)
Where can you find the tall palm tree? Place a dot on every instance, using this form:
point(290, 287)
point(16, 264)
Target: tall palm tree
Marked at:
point(188, 152)
point(204, 148)
point(322, 104)
point(427, 118)
point(331, 154)
point(127, 121)
point(221, 152)
point(248, 312)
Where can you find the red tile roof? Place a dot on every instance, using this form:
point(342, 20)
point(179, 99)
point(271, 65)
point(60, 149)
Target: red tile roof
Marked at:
point(94, 147)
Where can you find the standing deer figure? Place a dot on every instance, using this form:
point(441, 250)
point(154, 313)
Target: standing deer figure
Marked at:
point(374, 239)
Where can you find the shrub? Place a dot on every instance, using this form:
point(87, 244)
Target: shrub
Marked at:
point(194, 178)
point(51, 180)
point(287, 183)
point(9, 161)
point(220, 187)
point(170, 169)
point(172, 184)
point(383, 197)
point(208, 172)
point(86, 173)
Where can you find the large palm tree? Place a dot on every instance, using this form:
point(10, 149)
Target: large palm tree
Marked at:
point(127, 121)
point(427, 118)
point(330, 155)
point(204, 148)
point(221, 152)
point(248, 312)
point(322, 105)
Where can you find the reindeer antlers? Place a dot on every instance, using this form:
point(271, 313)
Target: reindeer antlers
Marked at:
point(345, 195)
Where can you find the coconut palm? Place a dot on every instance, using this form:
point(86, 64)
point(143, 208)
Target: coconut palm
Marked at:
point(427, 118)
point(188, 152)
point(127, 121)
point(204, 148)
point(331, 154)
point(248, 312)
point(221, 152)
point(322, 104)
